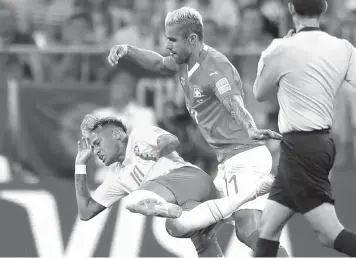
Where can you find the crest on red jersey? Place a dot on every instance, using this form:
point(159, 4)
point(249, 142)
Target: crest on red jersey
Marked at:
point(197, 92)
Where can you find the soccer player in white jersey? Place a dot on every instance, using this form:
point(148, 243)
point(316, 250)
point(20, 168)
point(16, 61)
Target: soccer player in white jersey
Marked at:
point(146, 168)
point(306, 69)
point(215, 100)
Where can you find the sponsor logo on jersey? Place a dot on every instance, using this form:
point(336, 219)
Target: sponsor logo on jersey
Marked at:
point(223, 85)
point(182, 81)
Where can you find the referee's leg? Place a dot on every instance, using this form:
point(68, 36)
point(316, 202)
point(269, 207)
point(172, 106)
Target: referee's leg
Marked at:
point(330, 231)
point(278, 210)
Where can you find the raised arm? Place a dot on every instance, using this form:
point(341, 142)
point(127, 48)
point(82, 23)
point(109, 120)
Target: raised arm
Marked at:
point(147, 59)
point(87, 207)
point(106, 194)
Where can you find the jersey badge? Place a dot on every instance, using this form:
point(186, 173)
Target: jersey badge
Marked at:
point(197, 92)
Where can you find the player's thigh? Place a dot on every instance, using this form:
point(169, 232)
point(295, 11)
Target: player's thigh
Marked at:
point(160, 190)
point(189, 184)
point(273, 219)
point(325, 222)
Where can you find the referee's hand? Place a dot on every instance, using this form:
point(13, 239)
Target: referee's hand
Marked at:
point(264, 134)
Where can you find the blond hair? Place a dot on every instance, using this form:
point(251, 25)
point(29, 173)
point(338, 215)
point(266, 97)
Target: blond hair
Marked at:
point(187, 17)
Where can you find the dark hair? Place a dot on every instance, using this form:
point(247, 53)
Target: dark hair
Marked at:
point(309, 8)
point(101, 122)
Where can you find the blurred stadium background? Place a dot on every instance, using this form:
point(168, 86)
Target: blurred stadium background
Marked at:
point(53, 70)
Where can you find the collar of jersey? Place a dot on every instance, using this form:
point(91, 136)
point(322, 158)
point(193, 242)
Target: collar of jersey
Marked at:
point(309, 29)
point(197, 64)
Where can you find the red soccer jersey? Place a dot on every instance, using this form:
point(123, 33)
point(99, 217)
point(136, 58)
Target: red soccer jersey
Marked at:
point(205, 86)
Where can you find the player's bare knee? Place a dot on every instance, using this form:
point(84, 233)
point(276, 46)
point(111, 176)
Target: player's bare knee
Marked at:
point(175, 229)
point(265, 230)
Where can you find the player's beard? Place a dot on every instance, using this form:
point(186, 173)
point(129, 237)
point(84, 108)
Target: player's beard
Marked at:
point(182, 58)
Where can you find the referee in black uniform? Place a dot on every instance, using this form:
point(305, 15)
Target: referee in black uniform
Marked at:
point(306, 69)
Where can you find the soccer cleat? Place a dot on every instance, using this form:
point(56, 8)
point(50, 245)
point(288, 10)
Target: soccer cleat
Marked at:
point(153, 207)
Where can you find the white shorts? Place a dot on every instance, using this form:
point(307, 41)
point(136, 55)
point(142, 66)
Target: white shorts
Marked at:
point(242, 171)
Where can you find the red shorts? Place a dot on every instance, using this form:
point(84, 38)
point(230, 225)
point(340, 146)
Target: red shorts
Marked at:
point(189, 185)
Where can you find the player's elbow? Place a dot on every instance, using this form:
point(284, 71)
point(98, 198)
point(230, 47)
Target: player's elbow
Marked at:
point(259, 96)
point(175, 143)
point(85, 216)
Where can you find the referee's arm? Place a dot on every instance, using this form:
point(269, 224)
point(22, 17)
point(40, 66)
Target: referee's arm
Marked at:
point(266, 81)
point(351, 71)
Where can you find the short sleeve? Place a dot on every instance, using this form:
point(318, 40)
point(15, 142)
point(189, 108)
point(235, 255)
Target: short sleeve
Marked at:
point(351, 70)
point(148, 135)
point(226, 80)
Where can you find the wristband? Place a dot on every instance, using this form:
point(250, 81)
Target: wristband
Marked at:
point(80, 169)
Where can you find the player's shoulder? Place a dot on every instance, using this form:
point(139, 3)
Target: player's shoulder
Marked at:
point(216, 61)
point(143, 130)
point(347, 44)
point(216, 57)
point(276, 46)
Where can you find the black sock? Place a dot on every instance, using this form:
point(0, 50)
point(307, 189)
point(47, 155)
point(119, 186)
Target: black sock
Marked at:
point(266, 248)
point(345, 243)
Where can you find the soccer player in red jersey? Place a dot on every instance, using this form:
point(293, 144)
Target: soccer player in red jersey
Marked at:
point(215, 99)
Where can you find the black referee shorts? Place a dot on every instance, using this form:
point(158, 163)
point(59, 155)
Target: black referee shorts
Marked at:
point(302, 182)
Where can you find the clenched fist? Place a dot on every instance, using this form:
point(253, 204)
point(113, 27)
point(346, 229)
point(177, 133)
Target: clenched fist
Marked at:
point(117, 52)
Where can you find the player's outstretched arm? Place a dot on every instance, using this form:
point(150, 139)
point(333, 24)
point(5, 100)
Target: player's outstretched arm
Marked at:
point(235, 105)
point(147, 59)
point(87, 207)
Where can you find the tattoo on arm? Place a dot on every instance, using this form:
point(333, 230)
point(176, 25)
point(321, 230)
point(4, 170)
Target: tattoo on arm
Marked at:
point(81, 189)
point(166, 144)
point(235, 105)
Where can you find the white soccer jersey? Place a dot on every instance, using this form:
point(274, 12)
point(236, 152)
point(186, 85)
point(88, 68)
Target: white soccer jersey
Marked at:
point(125, 178)
point(308, 70)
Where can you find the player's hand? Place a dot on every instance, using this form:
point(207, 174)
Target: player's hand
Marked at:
point(84, 152)
point(290, 33)
point(147, 154)
point(264, 134)
point(117, 52)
